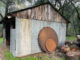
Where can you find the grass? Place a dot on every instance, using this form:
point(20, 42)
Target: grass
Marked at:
point(71, 38)
point(60, 58)
point(9, 56)
point(1, 40)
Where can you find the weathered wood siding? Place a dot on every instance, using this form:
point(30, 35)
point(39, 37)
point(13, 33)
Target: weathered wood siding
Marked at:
point(44, 13)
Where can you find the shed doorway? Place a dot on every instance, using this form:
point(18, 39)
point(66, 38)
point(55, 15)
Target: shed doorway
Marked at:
point(7, 30)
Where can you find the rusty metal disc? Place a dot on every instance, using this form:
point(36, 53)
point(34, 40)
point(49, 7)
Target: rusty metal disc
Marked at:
point(45, 34)
point(50, 45)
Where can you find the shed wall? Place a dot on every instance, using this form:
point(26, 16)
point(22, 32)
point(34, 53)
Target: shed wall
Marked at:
point(13, 41)
point(37, 25)
point(23, 41)
point(27, 32)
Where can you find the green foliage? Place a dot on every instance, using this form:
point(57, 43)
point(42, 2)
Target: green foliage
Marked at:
point(2, 10)
point(9, 56)
point(70, 13)
point(71, 38)
point(41, 2)
point(21, 1)
point(1, 40)
point(60, 58)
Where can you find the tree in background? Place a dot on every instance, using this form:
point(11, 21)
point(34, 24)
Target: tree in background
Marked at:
point(67, 8)
point(5, 7)
point(41, 2)
point(8, 3)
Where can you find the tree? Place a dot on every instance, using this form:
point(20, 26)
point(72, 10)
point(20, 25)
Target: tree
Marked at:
point(40, 2)
point(4, 8)
point(7, 4)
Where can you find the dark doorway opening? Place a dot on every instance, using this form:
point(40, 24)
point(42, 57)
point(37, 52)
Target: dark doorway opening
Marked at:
point(7, 30)
point(9, 24)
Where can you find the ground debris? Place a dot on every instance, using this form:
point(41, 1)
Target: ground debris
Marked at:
point(71, 53)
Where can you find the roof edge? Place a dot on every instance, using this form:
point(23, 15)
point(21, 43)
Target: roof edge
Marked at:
point(10, 13)
point(29, 8)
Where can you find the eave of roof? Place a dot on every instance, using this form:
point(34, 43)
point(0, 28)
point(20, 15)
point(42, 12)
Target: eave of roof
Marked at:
point(10, 13)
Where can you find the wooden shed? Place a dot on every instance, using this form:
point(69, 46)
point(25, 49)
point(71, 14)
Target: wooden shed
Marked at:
point(34, 29)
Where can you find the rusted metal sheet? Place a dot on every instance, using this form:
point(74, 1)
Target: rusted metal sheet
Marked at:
point(50, 45)
point(46, 36)
point(43, 13)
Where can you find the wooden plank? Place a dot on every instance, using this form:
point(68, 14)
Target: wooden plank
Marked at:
point(29, 13)
point(50, 13)
point(58, 18)
point(32, 14)
point(39, 13)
